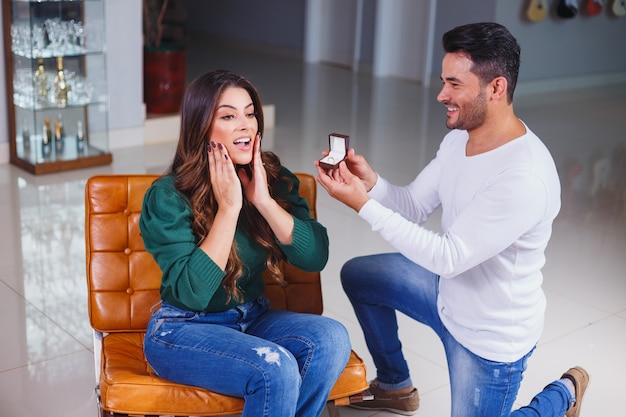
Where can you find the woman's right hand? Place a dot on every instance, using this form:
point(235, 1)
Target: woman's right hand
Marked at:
point(227, 191)
point(224, 179)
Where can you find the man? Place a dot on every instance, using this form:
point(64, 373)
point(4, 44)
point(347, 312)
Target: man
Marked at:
point(478, 283)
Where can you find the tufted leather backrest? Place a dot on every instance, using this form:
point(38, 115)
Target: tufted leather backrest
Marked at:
point(303, 292)
point(123, 279)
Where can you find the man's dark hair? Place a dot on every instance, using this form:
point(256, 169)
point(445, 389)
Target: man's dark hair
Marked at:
point(492, 49)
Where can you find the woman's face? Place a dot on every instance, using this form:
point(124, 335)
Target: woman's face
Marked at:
point(235, 125)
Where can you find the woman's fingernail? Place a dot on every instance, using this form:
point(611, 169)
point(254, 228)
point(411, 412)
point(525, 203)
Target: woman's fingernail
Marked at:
point(220, 146)
point(213, 144)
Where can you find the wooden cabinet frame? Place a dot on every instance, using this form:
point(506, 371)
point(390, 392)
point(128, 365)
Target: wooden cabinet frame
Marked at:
point(92, 155)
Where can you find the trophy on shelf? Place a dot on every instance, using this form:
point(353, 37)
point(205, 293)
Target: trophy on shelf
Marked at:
point(60, 85)
point(41, 83)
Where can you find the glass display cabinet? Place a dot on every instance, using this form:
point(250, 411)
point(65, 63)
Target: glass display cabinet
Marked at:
point(56, 84)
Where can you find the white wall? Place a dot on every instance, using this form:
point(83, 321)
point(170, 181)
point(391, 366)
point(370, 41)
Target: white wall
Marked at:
point(329, 34)
point(124, 63)
point(409, 26)
point(125, 72)
point(584, 48)
point(560, 54)
point(557, 53)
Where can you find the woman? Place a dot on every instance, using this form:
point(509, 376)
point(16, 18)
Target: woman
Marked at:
point(223, 213)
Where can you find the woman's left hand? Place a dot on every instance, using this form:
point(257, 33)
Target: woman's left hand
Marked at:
point(256, 188)
point(257, 192)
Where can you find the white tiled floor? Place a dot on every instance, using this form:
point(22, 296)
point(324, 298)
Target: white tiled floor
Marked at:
point(46, 360)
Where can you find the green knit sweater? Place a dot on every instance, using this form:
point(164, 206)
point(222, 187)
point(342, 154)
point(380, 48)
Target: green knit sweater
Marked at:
point(191, 280)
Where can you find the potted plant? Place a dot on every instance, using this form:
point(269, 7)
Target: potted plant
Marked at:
point(164, 59)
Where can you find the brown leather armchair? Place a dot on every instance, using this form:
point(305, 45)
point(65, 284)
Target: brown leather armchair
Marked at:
point(123, 284)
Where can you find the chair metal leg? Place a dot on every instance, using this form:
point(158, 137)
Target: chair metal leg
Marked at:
point(101, 411)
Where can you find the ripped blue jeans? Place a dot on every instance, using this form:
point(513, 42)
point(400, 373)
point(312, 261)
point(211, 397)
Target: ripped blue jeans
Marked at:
point(380, 285)
point(283, 364)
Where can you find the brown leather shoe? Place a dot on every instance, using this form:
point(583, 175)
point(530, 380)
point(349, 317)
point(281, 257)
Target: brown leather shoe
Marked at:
point(580, 379)
point(405, 404)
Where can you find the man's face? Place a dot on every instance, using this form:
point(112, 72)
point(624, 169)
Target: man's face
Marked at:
point(462, 93)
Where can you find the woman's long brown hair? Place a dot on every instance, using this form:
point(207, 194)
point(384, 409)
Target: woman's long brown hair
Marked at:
point(190, 169)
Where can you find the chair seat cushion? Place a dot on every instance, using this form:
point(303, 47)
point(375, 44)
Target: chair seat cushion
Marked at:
point(128, 385)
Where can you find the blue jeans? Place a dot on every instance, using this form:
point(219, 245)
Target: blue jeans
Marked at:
point(378, 285)
point(283, 364)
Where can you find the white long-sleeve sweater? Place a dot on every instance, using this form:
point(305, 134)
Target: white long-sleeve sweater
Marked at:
point(497, 214)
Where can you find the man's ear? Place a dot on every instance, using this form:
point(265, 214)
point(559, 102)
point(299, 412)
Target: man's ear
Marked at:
point(498, 88)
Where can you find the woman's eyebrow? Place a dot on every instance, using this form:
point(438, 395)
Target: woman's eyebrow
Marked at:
point(233, 107)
